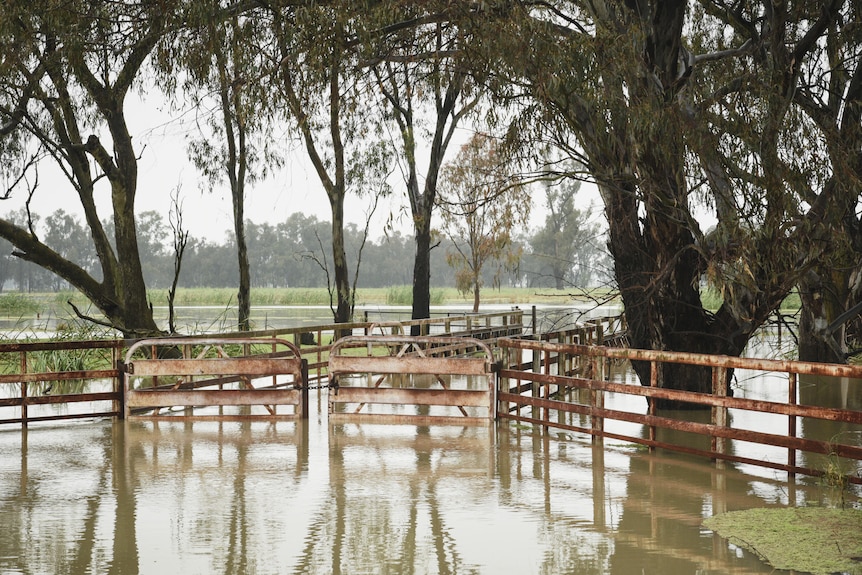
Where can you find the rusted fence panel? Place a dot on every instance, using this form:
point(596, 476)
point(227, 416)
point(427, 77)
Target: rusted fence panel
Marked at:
point(227, 370)
point(548, 391)
point(441, 378)
point(28, 386)
point(315, 341)
point(55, 374)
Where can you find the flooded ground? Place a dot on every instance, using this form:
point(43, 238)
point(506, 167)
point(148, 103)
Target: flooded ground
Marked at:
point(156, 498)
point(324, 498)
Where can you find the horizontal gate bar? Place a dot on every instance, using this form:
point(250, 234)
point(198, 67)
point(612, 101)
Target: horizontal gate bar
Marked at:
point(408, 365)
point(402, 419)
point(218, 366)
point(212, 397)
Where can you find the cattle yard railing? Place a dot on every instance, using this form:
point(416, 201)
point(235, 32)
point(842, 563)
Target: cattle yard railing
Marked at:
point(59, 380)
point(316, 341)
point(566, 386)
point(422, 380)
point(189, 372)
point(63, 380)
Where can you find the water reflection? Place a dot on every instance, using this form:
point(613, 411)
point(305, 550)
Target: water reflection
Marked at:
point(129, 498)
point(836, 392)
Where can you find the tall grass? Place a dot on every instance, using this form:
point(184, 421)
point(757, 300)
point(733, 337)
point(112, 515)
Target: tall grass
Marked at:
point(18, 304)
point(61, 360)
point(227, 296)
point(403, 295)
point(223, 297)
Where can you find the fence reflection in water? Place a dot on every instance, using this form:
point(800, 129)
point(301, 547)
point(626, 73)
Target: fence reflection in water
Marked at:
point(291, 497)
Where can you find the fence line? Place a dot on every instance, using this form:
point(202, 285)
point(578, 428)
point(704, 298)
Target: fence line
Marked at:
point(566, 386)
point(37, 374)
point(558, 380)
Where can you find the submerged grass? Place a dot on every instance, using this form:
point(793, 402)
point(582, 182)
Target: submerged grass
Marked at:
point(403, 295)
point(807, 539)
point(61, 360)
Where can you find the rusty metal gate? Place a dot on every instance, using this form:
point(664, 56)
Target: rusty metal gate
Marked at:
point(417, 380)
point(166, 373)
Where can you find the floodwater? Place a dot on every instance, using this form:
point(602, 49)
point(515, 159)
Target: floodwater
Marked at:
point(321, 498)
point(316, 497)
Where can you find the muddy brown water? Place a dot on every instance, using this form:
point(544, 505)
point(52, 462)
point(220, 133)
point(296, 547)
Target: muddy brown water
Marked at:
point(320, 498)
point(323, 498)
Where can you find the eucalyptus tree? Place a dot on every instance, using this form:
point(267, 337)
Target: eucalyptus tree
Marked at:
point(671, 109)
point(481, 210)
point(66, 70)
point(829, 91)
point(418, 62)
point(322, 86)
point(224, 77)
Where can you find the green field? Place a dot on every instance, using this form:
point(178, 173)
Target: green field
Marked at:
point(14, 304)
point(396, 295)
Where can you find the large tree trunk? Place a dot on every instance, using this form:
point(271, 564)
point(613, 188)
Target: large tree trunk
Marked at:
point(657, 266)
point(822, 332)
point(135, 311)
point(244, 292)
point(814, 344)
point(421, 273)
point(344, 305)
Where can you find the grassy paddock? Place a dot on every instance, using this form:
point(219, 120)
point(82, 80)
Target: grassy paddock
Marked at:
point(395, 295)
point(19, 305)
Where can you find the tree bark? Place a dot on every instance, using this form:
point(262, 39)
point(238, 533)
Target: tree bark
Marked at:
point(820, 307)
point(421, 272)
point(344, 305)
point(244, 291)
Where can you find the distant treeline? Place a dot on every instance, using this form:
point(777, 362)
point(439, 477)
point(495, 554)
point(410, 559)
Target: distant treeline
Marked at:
point(294, 253)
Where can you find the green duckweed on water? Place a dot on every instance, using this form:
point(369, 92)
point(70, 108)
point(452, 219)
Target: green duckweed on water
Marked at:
point(804, 539)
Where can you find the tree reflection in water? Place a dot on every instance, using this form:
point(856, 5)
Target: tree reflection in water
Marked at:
point(242, 498)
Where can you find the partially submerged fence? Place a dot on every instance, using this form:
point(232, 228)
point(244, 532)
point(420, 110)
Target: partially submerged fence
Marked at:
point(63, 380)
point(559, 380)
point(223, 372)
point(565, 386)
point(420, 380)
point(316, 341)
point(57, 380)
